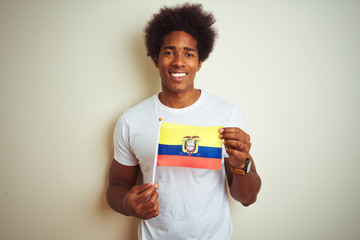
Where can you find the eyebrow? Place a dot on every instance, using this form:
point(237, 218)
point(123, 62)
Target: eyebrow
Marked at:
point(185, 48)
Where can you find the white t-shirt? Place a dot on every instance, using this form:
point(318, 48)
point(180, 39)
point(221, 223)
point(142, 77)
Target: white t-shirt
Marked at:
point(193, 203)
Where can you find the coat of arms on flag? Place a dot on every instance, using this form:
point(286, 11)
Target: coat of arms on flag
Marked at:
point(189, 146)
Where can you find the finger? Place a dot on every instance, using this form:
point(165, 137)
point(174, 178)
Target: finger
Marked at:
point(237, 154)
point(146, 195)
point(153, 212)
point(230, 129)
point(149, 216)
point(150, 208)
point(141, 188)
point(151, 202)
point(238, 145)
point(236, 134)
point(147, 213)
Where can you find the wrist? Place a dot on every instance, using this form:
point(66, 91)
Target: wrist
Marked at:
point(245, 169)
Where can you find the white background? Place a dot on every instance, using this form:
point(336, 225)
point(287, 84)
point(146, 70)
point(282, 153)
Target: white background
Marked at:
point(70, 68)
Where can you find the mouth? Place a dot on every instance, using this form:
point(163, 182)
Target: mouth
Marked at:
point(178, 74)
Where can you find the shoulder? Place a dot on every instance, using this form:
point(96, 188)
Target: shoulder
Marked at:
point(221, 104)
point(211, 98)
point(231, 112)
point(140, 110)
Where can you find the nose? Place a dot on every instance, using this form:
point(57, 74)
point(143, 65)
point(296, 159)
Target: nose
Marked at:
point(179, 60)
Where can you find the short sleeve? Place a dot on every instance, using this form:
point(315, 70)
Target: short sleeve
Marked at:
point(122, 149)
point(238, 119)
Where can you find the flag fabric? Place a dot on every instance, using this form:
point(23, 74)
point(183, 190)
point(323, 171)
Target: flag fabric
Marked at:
point(189, 146)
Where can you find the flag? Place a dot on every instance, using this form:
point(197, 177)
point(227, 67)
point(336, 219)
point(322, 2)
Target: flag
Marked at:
point(189, 146)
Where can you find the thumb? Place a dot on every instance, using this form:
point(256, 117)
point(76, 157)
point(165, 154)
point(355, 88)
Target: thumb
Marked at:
point(141, 188)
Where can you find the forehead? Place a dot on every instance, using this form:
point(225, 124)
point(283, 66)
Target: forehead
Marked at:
point(179, 39)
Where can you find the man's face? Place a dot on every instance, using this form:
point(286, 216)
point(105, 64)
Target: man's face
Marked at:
point(178, 62)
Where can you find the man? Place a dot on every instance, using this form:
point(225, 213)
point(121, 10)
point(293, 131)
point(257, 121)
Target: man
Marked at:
point(184, 203)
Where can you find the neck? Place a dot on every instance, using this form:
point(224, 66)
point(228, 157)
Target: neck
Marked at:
point(179, 100)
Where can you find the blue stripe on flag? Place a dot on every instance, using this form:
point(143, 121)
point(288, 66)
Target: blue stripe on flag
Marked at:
point(206, 152)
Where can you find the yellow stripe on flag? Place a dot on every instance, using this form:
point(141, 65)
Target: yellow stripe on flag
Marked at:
point(173, 134)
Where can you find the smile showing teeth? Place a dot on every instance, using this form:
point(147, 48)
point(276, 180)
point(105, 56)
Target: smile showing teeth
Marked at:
point(178, 74)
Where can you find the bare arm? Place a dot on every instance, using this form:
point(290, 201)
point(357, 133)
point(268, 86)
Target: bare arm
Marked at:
point(124, 196)
point(242, 188)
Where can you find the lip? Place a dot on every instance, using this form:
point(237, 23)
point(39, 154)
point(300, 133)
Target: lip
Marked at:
point(178, 75)
point(179, 78)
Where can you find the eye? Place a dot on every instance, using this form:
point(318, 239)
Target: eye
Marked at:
point(189, 55)
point(168, 53)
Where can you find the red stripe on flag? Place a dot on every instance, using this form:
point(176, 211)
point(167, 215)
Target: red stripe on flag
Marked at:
point(186, 161)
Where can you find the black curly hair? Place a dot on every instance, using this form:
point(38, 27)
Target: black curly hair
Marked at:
point(189, 18)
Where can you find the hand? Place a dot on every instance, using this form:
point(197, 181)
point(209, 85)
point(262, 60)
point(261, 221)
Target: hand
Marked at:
point(237, 145)
point(142, 201)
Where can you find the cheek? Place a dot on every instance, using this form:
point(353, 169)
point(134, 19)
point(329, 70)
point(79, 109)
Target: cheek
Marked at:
point(163, 74)
point(196, 69)
point(163, 71)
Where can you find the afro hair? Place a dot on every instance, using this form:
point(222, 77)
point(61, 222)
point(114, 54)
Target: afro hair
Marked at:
point(189, 18)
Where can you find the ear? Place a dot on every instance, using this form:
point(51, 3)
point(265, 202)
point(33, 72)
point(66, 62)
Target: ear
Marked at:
point(156, 62)
point(199, 65)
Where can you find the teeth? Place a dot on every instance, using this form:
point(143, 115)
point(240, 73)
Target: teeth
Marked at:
point(178, 74)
